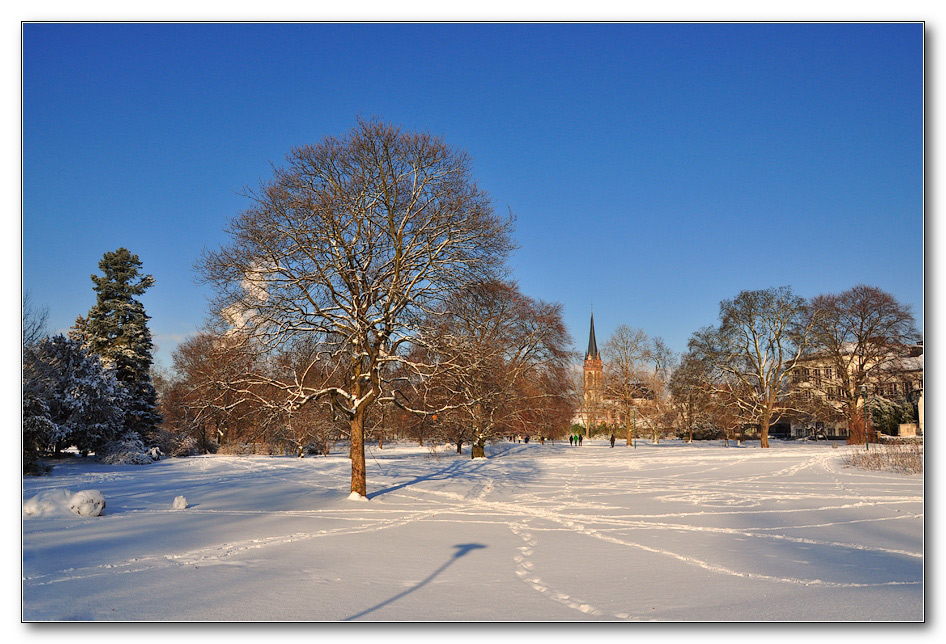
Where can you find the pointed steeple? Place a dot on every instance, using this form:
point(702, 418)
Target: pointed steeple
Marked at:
point(592, 352)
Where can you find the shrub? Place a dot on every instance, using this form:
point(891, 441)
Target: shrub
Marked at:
point(127, 451)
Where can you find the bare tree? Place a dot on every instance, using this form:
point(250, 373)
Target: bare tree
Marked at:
point(688, 392)
point(500, 359)
point(34, 321)
point(636, 374)
point(754, 349)
point(627, 360)
point(863, 334)
point(356, 238)
point(212, 401)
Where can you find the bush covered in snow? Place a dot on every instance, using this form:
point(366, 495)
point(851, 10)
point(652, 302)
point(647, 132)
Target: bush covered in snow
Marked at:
point(128, 451)
point(86, 503)
point(183, 445)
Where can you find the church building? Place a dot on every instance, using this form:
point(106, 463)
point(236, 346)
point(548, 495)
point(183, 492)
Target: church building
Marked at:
point(596, 408)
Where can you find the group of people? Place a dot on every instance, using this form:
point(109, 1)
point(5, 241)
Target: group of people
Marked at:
point(576, 439)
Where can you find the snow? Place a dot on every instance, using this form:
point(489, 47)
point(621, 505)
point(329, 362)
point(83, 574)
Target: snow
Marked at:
point(180, 503)
point(47, 503)
point(669, 532)
point(85, 503)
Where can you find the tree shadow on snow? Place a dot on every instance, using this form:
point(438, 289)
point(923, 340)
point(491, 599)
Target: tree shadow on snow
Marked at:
point(512, 470)
point(462, 549)
point(453, 470)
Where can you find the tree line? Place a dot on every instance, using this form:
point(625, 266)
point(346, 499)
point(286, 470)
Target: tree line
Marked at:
point(365, 293)
point(744, 371)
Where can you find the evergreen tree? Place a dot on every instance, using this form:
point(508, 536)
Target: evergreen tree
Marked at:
point(116, 330)
point(81, 399)
point(38, 431)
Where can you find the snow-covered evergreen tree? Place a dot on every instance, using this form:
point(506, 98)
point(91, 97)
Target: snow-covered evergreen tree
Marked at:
point(82, 399)
point(38, 430)
point(116, 330)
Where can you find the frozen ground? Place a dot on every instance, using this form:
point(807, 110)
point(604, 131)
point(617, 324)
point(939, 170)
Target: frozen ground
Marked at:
point(672, 532)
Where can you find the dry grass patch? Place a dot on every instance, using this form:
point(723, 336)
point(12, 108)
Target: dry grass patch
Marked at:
point(906, 458)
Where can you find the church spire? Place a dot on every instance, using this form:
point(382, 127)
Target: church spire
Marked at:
point(592, 352)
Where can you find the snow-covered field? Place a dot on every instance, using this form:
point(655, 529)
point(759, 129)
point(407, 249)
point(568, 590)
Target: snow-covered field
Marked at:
point(668, 532)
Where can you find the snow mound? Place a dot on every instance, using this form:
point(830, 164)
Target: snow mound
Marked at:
point(50, 502)
point(180, 503)
point(354, 496)
point(88, 503)
point(85, 503)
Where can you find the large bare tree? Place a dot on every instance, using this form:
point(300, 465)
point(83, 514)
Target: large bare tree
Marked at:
point(760, 336)
point(862, 335)
point(355, 239)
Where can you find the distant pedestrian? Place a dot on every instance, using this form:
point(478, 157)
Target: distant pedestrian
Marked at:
point(580, 438)
point(571, 440)
point(612, 440)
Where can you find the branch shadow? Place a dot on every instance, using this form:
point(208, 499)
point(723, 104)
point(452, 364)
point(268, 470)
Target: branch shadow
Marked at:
point(462, 549)
point(452, 470)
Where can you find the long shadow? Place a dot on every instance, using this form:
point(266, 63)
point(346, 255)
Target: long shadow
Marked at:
point(462, 549)
point(454, 469)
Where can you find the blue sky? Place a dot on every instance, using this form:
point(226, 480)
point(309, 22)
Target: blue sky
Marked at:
point(655, 169)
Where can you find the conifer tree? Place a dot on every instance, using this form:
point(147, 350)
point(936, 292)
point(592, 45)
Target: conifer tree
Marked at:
point(81, 399)
point(116, 330)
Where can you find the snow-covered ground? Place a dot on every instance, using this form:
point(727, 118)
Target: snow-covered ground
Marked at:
point(668, 532)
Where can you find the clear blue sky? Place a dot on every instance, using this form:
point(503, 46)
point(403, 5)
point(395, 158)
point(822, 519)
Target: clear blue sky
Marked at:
point(655, 169)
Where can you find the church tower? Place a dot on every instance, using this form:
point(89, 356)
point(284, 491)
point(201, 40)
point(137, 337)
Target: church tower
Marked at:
point(594, 372)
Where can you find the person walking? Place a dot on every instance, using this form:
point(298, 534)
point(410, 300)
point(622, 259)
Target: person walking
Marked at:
point(580, 438)
point(612, 440)
point(571, 439)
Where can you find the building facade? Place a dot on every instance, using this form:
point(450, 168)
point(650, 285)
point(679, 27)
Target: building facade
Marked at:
point(817, 389)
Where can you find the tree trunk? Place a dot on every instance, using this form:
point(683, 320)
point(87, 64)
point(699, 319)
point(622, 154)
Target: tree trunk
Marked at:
point(479, 448)
point(459, 447)
point(764, 427)
point(357, 453)
point(478, 443)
